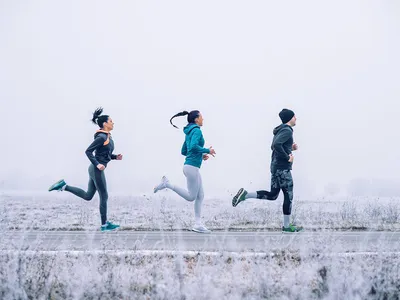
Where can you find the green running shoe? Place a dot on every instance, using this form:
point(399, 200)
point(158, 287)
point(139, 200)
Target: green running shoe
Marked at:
point(57, 186)
point(292, 228)
point(109, 226)
point(239, 197)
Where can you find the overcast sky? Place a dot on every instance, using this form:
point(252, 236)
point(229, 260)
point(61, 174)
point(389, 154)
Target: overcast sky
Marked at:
point(336, 64)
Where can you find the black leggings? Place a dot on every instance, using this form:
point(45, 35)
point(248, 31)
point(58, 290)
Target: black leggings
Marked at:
point(280, 180)
point(97, 181)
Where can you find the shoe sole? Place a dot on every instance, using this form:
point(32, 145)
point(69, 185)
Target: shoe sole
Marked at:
point(235, 200)
point(301, 230)
point(110, 229)
point(199, 231)
point(155, 190)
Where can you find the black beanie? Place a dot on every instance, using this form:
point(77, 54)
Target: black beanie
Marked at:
point(286, 115)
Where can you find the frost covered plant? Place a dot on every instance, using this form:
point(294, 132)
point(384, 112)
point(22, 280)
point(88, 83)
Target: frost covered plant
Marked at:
point(152, 213)
point(139, 275)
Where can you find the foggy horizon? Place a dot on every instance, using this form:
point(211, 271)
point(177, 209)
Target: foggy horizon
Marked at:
point(335, 64)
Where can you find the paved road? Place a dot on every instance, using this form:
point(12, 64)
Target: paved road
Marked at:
point(325, 242)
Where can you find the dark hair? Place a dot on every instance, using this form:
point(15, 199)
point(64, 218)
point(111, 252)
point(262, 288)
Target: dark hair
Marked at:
point(98, 118)
point(193, 115)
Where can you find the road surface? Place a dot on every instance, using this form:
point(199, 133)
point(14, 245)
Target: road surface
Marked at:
point(191, 241)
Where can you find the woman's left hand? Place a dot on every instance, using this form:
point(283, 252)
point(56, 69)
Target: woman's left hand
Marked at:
point(119, 157)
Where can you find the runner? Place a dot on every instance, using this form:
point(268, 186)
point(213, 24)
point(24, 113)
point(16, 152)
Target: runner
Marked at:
point(193, 149)
point(281, 166)
point(103, 146)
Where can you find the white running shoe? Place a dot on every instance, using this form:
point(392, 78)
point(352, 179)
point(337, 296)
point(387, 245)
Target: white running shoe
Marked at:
point(200, 228)
point(162, 185)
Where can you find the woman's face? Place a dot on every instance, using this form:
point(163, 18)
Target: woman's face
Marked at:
point(109, 125)
point(199, 120)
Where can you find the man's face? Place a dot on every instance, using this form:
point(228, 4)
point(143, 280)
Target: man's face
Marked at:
point(292, 122)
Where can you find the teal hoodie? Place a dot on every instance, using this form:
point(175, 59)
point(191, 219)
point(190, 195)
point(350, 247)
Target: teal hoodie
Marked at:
point(193, 147)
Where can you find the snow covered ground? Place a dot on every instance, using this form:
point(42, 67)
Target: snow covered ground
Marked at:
point(141, 274)
point(166, 211)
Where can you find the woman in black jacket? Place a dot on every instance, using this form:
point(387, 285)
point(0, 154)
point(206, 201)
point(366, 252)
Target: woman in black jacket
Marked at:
point(103, 146)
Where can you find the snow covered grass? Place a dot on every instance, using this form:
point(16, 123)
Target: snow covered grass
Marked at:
point(315, 272)
point(166, 211)
point(188, 275)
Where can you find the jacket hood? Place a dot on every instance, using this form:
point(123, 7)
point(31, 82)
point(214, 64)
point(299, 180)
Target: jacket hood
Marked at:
point(103, 132)
point(189, 127)
point(281, 127)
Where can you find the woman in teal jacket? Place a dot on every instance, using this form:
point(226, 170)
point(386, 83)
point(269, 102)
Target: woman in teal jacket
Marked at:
point(193, 149)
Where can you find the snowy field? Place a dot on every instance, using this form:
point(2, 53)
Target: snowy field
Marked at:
point(166, 211)
point(141, 275)
point(313, 273)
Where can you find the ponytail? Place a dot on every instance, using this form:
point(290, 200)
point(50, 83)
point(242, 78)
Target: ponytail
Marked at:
point(97, 114)
point(193, 115)
point(98, 118)
point(181, 114)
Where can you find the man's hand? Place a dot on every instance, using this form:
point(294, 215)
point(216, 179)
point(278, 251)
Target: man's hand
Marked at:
point(119, 157)
point(212, 151)
point(101, 167)
point(295, 147)
point(205, 157)
point(291, 158)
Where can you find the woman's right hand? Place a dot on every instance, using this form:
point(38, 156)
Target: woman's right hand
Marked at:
point(212, 151)
point(101, 167)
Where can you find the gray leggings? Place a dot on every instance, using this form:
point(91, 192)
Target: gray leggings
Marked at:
point(195, 190)
point(97, 181)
